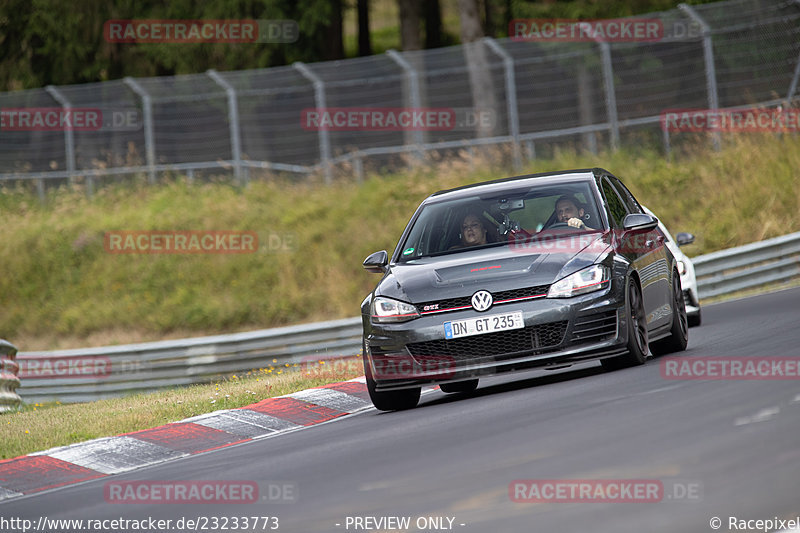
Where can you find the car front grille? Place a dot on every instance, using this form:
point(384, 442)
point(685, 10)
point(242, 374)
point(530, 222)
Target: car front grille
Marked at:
point(595, 328)
point(528, 339)
point(451, 304)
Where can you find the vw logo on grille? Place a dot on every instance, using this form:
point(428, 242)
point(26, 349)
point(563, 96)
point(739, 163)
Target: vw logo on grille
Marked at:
point(482, 300)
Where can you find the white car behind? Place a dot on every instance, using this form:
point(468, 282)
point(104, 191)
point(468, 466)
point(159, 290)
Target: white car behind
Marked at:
point(685, 269)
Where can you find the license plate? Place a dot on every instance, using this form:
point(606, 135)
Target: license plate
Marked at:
point(484, 324)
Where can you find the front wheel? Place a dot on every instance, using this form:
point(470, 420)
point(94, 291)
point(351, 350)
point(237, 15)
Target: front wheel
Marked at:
point(637, 333)
point(395, 400)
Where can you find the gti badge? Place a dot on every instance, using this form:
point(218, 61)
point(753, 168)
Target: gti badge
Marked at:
point(481, 300)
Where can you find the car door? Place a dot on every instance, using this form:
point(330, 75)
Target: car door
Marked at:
point(646, 252)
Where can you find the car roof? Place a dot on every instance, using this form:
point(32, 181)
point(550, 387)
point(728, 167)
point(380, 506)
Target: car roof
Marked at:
point(543, 178)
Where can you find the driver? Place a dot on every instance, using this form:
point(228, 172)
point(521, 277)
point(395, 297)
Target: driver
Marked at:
point(568, 211)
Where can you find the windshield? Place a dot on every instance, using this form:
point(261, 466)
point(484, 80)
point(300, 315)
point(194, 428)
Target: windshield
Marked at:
point(495, 219)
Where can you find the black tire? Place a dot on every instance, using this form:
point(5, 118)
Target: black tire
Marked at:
point(679, 333)
point(395, 400)
point(459, 386)
point(637, 332)
point(695, 319)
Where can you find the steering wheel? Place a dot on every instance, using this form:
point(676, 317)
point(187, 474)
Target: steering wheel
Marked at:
point(556, 225)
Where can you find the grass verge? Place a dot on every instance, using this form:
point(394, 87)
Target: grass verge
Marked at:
point(43, 426)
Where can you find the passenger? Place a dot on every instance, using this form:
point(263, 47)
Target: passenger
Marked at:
point(473, 231)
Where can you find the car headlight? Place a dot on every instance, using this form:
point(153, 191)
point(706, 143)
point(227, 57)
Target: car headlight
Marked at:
point(681, 268)
point(584, 281)
point(388, 310)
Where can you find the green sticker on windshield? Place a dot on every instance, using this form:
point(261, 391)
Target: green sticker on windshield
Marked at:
point(408, 251)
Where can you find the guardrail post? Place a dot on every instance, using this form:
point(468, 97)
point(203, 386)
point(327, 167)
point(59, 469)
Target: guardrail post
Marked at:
point(358, 167)
point(793, 84)
point(708, 56)
point(413, 97)
point(611, 96)
point(531, 146)
point(40, 189)
point(9, 378)
point(319, 99)
point(511, 99)
point(233, 118)
point(69, 137)
point(667, 146)
point(147, 112)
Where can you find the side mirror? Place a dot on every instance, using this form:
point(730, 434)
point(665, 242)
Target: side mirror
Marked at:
point(639, 222)
point(377, 262)
point(684, 238)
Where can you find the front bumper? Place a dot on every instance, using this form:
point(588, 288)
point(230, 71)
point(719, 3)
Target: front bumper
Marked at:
point(557, 331)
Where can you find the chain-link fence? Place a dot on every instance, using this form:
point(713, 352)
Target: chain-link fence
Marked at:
point(737, 53)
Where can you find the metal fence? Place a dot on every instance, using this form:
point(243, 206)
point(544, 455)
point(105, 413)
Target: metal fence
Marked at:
point(741, 53)
point(89, 374)
point(149, 366)
point(9, 399)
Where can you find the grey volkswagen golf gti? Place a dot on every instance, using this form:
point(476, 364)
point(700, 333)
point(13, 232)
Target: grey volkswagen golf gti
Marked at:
point(542, 270)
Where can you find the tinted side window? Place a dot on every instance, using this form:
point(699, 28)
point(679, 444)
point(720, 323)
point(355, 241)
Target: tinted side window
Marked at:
point(627, 198)
point(615, 206)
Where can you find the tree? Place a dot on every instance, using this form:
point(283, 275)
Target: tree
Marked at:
point(480, 79)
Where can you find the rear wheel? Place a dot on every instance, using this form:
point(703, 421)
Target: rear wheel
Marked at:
point(637, 333)
point(679, 334)
point(395, 400)
point(460, 386)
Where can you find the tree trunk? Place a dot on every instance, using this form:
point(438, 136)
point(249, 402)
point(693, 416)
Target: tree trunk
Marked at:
point(334, 48)
point(410, 34)
point(433, 24)
point(488, 19)
point(364, 43)
point(477, 59)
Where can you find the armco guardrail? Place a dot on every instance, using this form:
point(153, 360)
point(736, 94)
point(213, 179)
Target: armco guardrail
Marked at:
point(9, 399)
point(95, 373)
point(748, 266)
point(88, 374)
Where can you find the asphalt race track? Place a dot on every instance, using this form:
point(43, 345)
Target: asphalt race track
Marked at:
point(718, 448)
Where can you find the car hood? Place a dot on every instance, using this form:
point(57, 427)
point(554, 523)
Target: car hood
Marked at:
point(493, 269)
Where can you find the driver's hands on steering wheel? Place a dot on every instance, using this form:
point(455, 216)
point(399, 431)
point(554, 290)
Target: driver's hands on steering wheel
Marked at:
point(575, 222)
